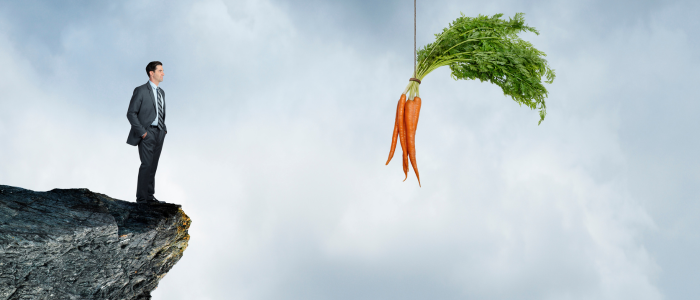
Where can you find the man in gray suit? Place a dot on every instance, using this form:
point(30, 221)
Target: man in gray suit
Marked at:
point(146, 114)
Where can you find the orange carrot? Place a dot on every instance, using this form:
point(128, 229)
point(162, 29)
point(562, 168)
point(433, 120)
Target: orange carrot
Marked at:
point(402, 137)
point(399, 116)
point(412, 111)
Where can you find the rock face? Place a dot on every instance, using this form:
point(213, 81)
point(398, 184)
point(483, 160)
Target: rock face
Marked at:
point(76, 244)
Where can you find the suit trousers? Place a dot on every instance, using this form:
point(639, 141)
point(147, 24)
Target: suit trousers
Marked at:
point(149, 152)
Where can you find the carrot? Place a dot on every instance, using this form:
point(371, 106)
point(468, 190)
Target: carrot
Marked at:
point(399, 116)
point(400, 130)
point(402, 138)
point(412, 111)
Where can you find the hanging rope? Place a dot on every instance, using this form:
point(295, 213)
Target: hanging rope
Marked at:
point(415, 58)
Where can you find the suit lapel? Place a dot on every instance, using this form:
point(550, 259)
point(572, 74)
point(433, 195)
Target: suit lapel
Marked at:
point(150, 92)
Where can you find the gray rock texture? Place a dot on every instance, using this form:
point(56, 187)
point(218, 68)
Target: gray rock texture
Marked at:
point(76, 244)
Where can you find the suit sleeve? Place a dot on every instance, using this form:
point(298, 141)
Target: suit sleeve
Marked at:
point(132, 112)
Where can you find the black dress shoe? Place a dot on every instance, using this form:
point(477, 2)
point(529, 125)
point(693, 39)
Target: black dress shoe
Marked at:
point(149, 201)
point(154, 200)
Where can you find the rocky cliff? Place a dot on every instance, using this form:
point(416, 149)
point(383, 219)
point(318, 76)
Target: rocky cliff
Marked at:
point(76, 244)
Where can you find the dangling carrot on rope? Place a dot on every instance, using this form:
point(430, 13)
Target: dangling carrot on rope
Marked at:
point(484, 48)
point(400, 133)
point(411, 119)
point(399, 110)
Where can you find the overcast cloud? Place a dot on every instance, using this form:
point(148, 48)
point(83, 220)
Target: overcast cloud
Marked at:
point(280, 116)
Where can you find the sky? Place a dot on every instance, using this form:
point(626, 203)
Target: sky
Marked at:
point(280, 116)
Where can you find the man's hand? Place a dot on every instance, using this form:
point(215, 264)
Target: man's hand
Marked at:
point(144, 135)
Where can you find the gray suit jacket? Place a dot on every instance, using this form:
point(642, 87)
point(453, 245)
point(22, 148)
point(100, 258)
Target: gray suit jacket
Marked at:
point(142, 112)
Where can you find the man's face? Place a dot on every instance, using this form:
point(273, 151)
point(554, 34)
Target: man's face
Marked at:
point(157, 75)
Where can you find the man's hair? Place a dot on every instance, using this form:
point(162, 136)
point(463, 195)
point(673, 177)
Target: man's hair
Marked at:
point(151, 67)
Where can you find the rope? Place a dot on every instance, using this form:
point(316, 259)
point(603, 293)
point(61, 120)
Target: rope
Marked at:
point(415, 58)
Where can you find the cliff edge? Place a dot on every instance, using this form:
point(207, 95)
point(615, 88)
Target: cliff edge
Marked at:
point(76, 244)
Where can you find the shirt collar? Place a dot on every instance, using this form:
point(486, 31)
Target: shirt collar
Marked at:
point(153, 86)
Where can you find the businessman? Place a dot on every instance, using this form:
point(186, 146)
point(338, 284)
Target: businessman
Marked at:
point(146, 114)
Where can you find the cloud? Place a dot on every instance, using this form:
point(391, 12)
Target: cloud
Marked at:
point(280, 116)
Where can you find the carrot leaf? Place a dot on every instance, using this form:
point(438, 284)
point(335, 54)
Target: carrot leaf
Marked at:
point(489, 49)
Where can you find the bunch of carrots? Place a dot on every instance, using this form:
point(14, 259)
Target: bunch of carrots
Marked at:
point(484, 48)
point(405, 126)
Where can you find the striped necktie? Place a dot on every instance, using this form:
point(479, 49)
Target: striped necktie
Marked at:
point(161, 122)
